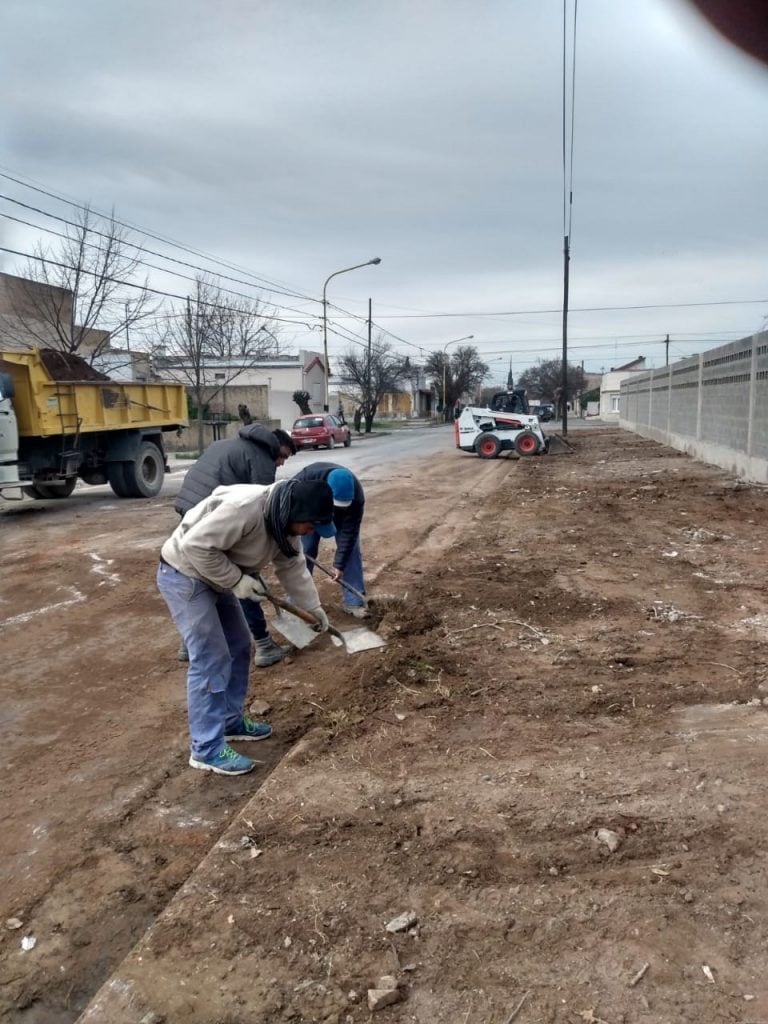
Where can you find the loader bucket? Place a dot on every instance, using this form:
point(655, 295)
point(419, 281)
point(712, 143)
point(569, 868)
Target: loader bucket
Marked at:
point(557, 445)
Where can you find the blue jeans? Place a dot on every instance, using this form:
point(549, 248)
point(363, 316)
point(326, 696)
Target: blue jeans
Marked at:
point(254, 616)
point(215, 633)
point(353, 571)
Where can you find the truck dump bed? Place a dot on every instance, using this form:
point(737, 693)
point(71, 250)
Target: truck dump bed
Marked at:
point(50, 401)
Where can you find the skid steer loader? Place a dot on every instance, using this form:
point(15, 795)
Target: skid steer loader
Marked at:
point(506, 425)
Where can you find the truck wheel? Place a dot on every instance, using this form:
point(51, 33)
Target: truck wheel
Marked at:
point(144, 476)
point(527, 443)
point(116, 477)
point(44, 492)
point(488, 446)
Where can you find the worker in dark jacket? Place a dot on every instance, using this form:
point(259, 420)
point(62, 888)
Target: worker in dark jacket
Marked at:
point(250, 458)
point(349, 505)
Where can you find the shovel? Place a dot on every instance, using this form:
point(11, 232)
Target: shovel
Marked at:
point(341, 582)
point(295, 624)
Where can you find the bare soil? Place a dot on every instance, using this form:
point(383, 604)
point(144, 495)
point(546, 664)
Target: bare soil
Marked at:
point(582, 646)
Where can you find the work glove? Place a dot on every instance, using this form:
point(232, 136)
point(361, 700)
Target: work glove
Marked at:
point(250, 588)
point(323, 623)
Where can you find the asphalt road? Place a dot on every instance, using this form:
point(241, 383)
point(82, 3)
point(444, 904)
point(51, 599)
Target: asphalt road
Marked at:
point(370, 458)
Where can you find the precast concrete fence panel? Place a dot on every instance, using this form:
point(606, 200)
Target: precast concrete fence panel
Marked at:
point(714, 406)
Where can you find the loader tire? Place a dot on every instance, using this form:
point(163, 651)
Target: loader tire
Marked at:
point(144, 475)
point(527, 443)
point(488, 446)
point(44, 492)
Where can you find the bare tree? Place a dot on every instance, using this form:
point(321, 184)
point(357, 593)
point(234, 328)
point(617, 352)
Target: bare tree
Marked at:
point(79, 290)
point(211, 341)
point(544, 380)
point(371, 374)
point(463, 371)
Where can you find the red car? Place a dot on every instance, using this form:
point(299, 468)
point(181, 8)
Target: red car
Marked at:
point(320, 429)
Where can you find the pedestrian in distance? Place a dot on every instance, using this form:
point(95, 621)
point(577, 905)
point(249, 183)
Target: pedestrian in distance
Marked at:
point(357, 419)
point(348, 510)
point(250, 458)
point(340, 414)
point(208, 566)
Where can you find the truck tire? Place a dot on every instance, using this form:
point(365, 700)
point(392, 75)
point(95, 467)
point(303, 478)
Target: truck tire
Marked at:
point(488, 446)
point(527, 443)
point(44, 492)
point(116, 477)
point(144, 475)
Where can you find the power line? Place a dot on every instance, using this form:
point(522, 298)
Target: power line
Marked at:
point(576, 309)
point(200, 254)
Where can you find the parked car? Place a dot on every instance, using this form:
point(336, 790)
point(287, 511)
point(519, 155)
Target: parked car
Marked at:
point(320, 429)
point(545, 412)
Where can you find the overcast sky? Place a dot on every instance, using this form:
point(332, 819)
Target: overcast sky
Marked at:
point(297, 137)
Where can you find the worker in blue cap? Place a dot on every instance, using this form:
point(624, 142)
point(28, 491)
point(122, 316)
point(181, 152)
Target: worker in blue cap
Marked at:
point(348, 508)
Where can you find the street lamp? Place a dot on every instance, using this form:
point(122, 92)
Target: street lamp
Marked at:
point(455, 341)
point(369, 263)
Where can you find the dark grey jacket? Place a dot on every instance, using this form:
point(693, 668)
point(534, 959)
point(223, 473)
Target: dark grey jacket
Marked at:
point(346, 520)
point(249, 458)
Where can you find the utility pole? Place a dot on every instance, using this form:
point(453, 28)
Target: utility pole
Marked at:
point(564, 384)
point(666, 346)
point(127, 336)
point(368, 366)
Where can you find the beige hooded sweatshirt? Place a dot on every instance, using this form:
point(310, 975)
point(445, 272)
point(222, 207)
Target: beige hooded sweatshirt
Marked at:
point(226, 535)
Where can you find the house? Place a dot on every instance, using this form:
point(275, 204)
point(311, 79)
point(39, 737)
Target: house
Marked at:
point(266, 386)
point(414, 398)
point(610, 386)
point(30, 312)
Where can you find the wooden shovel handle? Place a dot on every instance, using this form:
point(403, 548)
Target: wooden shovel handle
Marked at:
point(294, 609)
point(342, 583)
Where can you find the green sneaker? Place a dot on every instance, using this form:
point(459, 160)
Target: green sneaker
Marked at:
point(247, 729)
point(226, 762)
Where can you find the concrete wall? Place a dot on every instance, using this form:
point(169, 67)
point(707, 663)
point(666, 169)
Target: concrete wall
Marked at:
point(713, 406)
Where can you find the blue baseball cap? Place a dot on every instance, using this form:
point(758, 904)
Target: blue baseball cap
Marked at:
point(342, 483)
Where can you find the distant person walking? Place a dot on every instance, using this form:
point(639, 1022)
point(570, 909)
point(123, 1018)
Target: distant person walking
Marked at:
point(250, 458)
point(340, 414)
point(357, 419)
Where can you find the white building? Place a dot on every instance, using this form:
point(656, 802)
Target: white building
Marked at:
point(610, 387)
point(279, 375)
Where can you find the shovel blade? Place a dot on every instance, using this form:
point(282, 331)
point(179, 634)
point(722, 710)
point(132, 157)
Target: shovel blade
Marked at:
point(361, 639)
point(294, 630)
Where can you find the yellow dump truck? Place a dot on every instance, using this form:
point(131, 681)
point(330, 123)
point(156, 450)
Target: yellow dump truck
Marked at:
point(61, 420)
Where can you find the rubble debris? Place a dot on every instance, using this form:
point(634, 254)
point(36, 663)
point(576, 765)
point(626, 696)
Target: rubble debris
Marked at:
point(28, 942)
point(402, 922)
point(608, 838)
point(378, 998)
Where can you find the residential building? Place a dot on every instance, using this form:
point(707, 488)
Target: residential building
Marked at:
point(30, 312)
point(265, 386)
point(610, 387)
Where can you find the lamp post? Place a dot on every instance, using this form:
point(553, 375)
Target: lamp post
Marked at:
point(455, 341)
point(369, 263)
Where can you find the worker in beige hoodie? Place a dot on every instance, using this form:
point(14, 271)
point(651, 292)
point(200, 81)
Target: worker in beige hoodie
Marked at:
point(209, 563)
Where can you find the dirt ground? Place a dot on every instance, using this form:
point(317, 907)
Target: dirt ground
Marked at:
point(582, 646)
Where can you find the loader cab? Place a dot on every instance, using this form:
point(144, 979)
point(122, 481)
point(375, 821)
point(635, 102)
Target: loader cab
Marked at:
point(510, 401)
